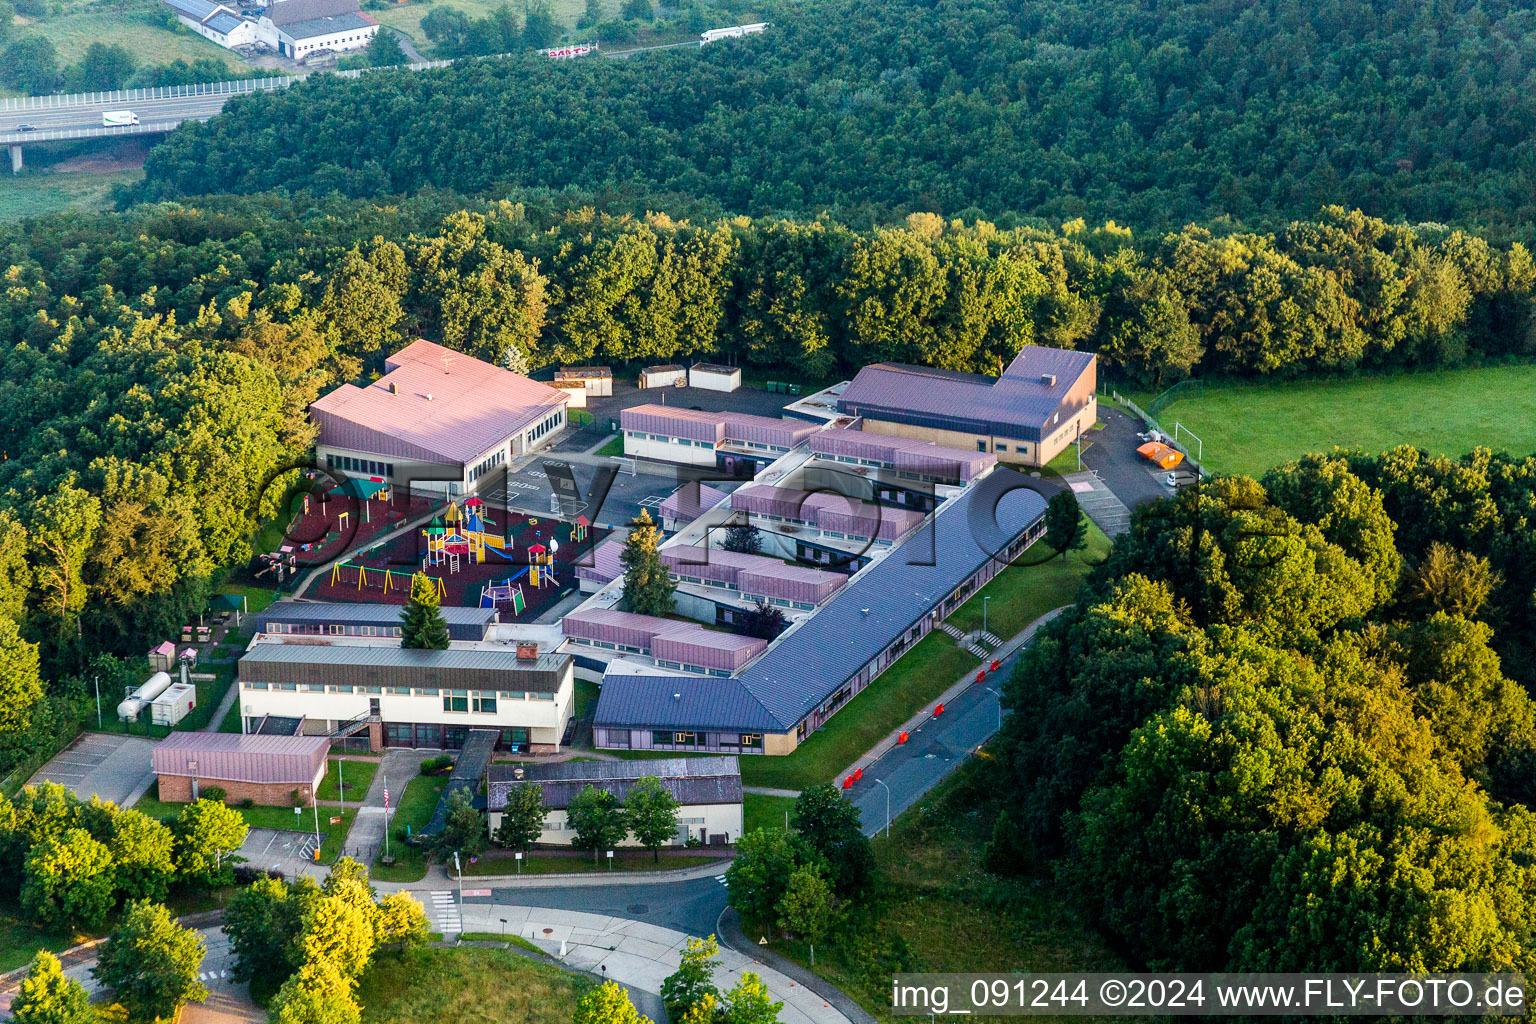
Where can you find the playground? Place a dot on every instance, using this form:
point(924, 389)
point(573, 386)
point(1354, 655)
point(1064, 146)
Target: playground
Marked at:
point(521, 567)
point(327, 524)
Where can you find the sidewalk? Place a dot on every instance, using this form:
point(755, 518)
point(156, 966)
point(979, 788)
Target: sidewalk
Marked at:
point(438, 878)
point(641, 955)
point(965, 682)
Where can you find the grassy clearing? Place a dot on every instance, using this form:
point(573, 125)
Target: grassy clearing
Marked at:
point(356, 775)
point(1021, 594)
point(758, 811)
point(952, 914)
point(502, 862)
point(20, 939)
point(73, 31)
point(410, 865)
point(256, 598)
point(469, 983)
point(511, 940)
point(407, 17)
point(1250, 427)
point(34, 195)
point(232, 718)
point(281, 818)
point(614, 446)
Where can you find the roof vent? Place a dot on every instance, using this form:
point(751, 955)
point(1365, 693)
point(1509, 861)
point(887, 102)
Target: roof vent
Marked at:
point(864, 611)
point(677, 696)
point(428, 396)
point(1048, 379)
point(394, 388)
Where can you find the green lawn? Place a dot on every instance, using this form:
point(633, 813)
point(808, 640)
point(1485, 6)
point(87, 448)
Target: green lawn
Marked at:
point(1021, 594)
point(78, 26)
point(509, 939)
point(20, 939)
point(543, 864)
point(33, 195)
point(1250, 427)
point(950, 913)
point(231, 721)
point(256, 598)
point(614, 446)
point(416, 804)
point(468, 983)
point(410, 865)
point(758, 811)
point(355, 774)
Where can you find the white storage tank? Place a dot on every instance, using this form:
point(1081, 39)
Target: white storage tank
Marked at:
point(153, 687)
point(714, 377)
point(172, 706)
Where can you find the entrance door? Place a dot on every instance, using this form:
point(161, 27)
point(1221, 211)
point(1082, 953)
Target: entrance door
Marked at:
point(373, 706)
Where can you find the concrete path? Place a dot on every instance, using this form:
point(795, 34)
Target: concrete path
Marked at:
point(217, 964)
point(637, 954)
point(228, 701)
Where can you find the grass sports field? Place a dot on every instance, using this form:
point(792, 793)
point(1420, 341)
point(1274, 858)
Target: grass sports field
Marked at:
point(1250, 427)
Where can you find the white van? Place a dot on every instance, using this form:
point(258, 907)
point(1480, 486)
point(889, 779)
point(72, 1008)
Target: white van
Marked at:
point(118, 118)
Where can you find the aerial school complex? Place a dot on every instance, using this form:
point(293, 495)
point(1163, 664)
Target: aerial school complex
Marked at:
point(878, 507)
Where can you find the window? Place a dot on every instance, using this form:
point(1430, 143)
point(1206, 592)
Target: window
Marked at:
point(399, 691)
point(661, 739)
point(541, 696)
point(336, 630)
point(426, 692)
point(683, 739)
point(254, 686)
point(312, 688)
point(485, 702)
point(341, 689)
point(372, 689)
point(1002, 447)
point(456, 700)
point(284, 686)
point(981, 446)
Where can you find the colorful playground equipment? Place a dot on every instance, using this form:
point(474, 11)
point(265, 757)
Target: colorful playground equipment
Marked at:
point(505, 592)
point(384, 579)
point(458, 534)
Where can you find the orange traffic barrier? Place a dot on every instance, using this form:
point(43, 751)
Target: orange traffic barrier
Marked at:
point(847, 781)
point(858, 775)
point(903, 737)
point(995, 664)
point(981, 675)
point(938, 710)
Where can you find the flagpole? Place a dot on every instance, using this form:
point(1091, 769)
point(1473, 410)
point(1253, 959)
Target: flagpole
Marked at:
point(386, 814)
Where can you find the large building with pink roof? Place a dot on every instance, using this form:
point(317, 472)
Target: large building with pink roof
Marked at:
point(438, 420)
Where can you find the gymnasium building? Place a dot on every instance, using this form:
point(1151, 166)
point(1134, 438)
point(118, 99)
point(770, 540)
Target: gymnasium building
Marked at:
point(438, 420)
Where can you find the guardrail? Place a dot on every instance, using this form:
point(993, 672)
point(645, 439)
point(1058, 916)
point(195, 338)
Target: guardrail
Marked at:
point(58, 134)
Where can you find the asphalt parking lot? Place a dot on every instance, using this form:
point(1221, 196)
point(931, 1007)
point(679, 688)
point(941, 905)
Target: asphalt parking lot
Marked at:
point(528, 489)
point(282, 850)
point(1113, 457)
point(112, 766)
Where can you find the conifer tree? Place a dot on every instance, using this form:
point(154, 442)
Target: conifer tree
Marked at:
point(423, 627)
point(647, 587)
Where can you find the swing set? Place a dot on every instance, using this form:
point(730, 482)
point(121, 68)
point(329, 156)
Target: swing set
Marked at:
point(381, 578)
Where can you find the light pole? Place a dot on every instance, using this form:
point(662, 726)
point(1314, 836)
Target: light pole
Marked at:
point(999, 695)
point(341, 788)
point(984, 601)
point(887, 789)
point(460, 872)
point(97, 681)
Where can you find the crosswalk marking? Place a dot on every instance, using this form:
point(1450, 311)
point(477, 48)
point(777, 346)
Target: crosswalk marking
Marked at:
point(721, 879)
point(445, 910)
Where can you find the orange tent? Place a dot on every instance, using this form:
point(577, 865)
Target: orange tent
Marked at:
point(1160, 453)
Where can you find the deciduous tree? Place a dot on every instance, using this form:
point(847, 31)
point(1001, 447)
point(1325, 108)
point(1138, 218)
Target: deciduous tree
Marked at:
point(151, 963)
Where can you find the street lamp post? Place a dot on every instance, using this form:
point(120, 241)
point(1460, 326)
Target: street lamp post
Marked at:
point(999, 695)
point(458, 870)
point(882, 785)
point(984, 601)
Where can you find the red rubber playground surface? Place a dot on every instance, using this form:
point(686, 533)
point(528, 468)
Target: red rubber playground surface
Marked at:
point(403, 556)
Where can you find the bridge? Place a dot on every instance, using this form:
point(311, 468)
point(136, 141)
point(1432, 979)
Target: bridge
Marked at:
point(78, 116)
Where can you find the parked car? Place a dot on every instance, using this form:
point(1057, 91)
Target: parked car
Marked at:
point(26, 127)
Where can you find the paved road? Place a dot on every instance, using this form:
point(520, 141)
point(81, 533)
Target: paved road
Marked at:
point(693, 906)
point(154, 115)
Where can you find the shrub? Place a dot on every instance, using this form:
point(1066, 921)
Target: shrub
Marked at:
point(215, 793)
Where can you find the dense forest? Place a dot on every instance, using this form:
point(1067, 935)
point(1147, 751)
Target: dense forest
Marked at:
point(1151, 114)
point(1275, 732)
point(157, 364)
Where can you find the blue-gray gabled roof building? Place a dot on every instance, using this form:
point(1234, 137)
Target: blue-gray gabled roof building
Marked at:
point(1039, 404)
point(814, 668)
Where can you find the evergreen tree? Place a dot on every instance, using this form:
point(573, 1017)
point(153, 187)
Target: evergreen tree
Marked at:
point(647, 587)
point(384, 49)
point(463, 830)
point(46, 996)
point(423, 626)
point(1064, 529)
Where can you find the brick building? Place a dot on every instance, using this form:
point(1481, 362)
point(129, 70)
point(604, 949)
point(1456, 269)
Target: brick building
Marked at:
point(275, 771)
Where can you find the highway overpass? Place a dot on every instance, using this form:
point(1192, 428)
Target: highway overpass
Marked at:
point(78, 116)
